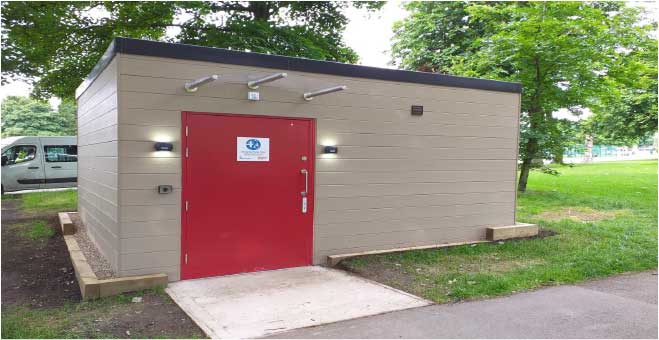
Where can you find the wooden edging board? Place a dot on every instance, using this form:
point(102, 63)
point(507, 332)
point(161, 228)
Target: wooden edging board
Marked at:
point(91, 287)
point(492, 234)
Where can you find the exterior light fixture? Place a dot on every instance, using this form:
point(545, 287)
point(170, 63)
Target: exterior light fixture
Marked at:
point(330, 149)
point(160, 146)
point(194, 85)
point(310, 95)
point(254, 84)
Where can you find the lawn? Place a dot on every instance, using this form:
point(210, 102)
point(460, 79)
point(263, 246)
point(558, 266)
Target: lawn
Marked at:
point(605, 217)
point(66, 200)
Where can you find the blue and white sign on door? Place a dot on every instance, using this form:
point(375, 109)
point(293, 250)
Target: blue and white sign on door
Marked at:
point(253, 149)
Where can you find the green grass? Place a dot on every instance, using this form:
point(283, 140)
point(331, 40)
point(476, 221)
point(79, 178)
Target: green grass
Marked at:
point(52, 200)
point(86, 319)
point(622, 194)
point(73, 320)
point(36, 230)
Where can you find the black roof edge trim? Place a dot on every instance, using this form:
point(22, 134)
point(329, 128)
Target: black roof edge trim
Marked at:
point(225, 56)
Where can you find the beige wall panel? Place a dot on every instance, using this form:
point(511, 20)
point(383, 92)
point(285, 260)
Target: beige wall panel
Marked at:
point(338, 204)
point(153, 101)
point(149, 260)
point(149, 181)
point(109, 91)
point(320, 256)
point(276, 92)
point(108, 164)
point(324, 236)
point(323, 191)
point(149, 197)
point(149, 213)
point(105, 211)
point(338, 164)
point(107, 78)
point(103, 191)
point(154, 118)
point(102, 121)
point(382, 240)
point(330, 137)
point(151, 228)
point(392, 152)
point(181, 70)
point(106, 105)
point(364, 215)
point(103, 177)
point(107, 149)
point(150, 244)
point(106, 134)
point(149, 133)
point(150, 118)
point(358, 177)
point(97, 166)
point(154, 165)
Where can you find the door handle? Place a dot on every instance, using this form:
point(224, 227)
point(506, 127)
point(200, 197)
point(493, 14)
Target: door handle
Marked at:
point(306, 190)
point(306, 182)
point(56, 167)
point(33, 167)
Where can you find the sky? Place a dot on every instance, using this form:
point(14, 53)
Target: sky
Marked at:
point(369, 34)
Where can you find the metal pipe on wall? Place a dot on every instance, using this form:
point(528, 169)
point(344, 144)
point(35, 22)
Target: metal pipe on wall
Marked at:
point(254, 84)
point(194, 85)
point(310, 95)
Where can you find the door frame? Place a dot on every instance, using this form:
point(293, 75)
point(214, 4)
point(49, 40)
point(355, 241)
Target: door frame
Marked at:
point(184, 163)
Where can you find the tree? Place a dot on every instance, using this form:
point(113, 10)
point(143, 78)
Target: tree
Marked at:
point(57, 43)
point(627, 114)
point(22, 116)
point(561, 52)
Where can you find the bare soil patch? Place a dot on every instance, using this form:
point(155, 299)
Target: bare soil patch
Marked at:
point(99, 264)
point(37, 275)
point(580, 214)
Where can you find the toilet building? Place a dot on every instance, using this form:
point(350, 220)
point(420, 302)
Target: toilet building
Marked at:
point(197, 161)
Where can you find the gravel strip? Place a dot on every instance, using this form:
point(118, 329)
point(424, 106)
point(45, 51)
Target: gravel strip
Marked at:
point(99, 264)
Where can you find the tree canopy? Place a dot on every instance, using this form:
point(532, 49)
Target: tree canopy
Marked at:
point(571, 55)
point(56, 44)
point(23, 116)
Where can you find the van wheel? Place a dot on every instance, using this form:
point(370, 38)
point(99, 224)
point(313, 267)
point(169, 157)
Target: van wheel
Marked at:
point(3, 189)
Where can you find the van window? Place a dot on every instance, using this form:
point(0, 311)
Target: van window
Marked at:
point(61, 153)
point(20, 154)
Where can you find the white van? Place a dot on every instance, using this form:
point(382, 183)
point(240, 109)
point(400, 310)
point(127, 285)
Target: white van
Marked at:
point(39, 163)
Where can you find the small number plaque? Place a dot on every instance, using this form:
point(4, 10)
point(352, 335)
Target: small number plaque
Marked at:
point(417, 110)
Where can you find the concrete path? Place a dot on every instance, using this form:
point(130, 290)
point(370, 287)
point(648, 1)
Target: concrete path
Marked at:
point(620, 307)
point(257, 304)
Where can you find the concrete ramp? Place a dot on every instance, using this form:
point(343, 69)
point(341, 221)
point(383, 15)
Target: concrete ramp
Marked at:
point(264, 303)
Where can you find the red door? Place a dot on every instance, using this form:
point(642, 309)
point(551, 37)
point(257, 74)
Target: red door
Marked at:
point(244, 181)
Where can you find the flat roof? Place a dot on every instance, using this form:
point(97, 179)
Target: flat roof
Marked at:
point(225, 56)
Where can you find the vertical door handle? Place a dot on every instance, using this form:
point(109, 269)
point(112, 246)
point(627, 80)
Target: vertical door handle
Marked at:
point(306, 190)
point(306, 182)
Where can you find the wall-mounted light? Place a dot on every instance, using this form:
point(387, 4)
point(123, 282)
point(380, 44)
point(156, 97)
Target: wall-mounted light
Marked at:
point(161, 146)
point(254, 84)
point(194, 85)
point(330, 149)
point(310, 95)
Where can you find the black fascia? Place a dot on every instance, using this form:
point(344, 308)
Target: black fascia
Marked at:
point(224, 56)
